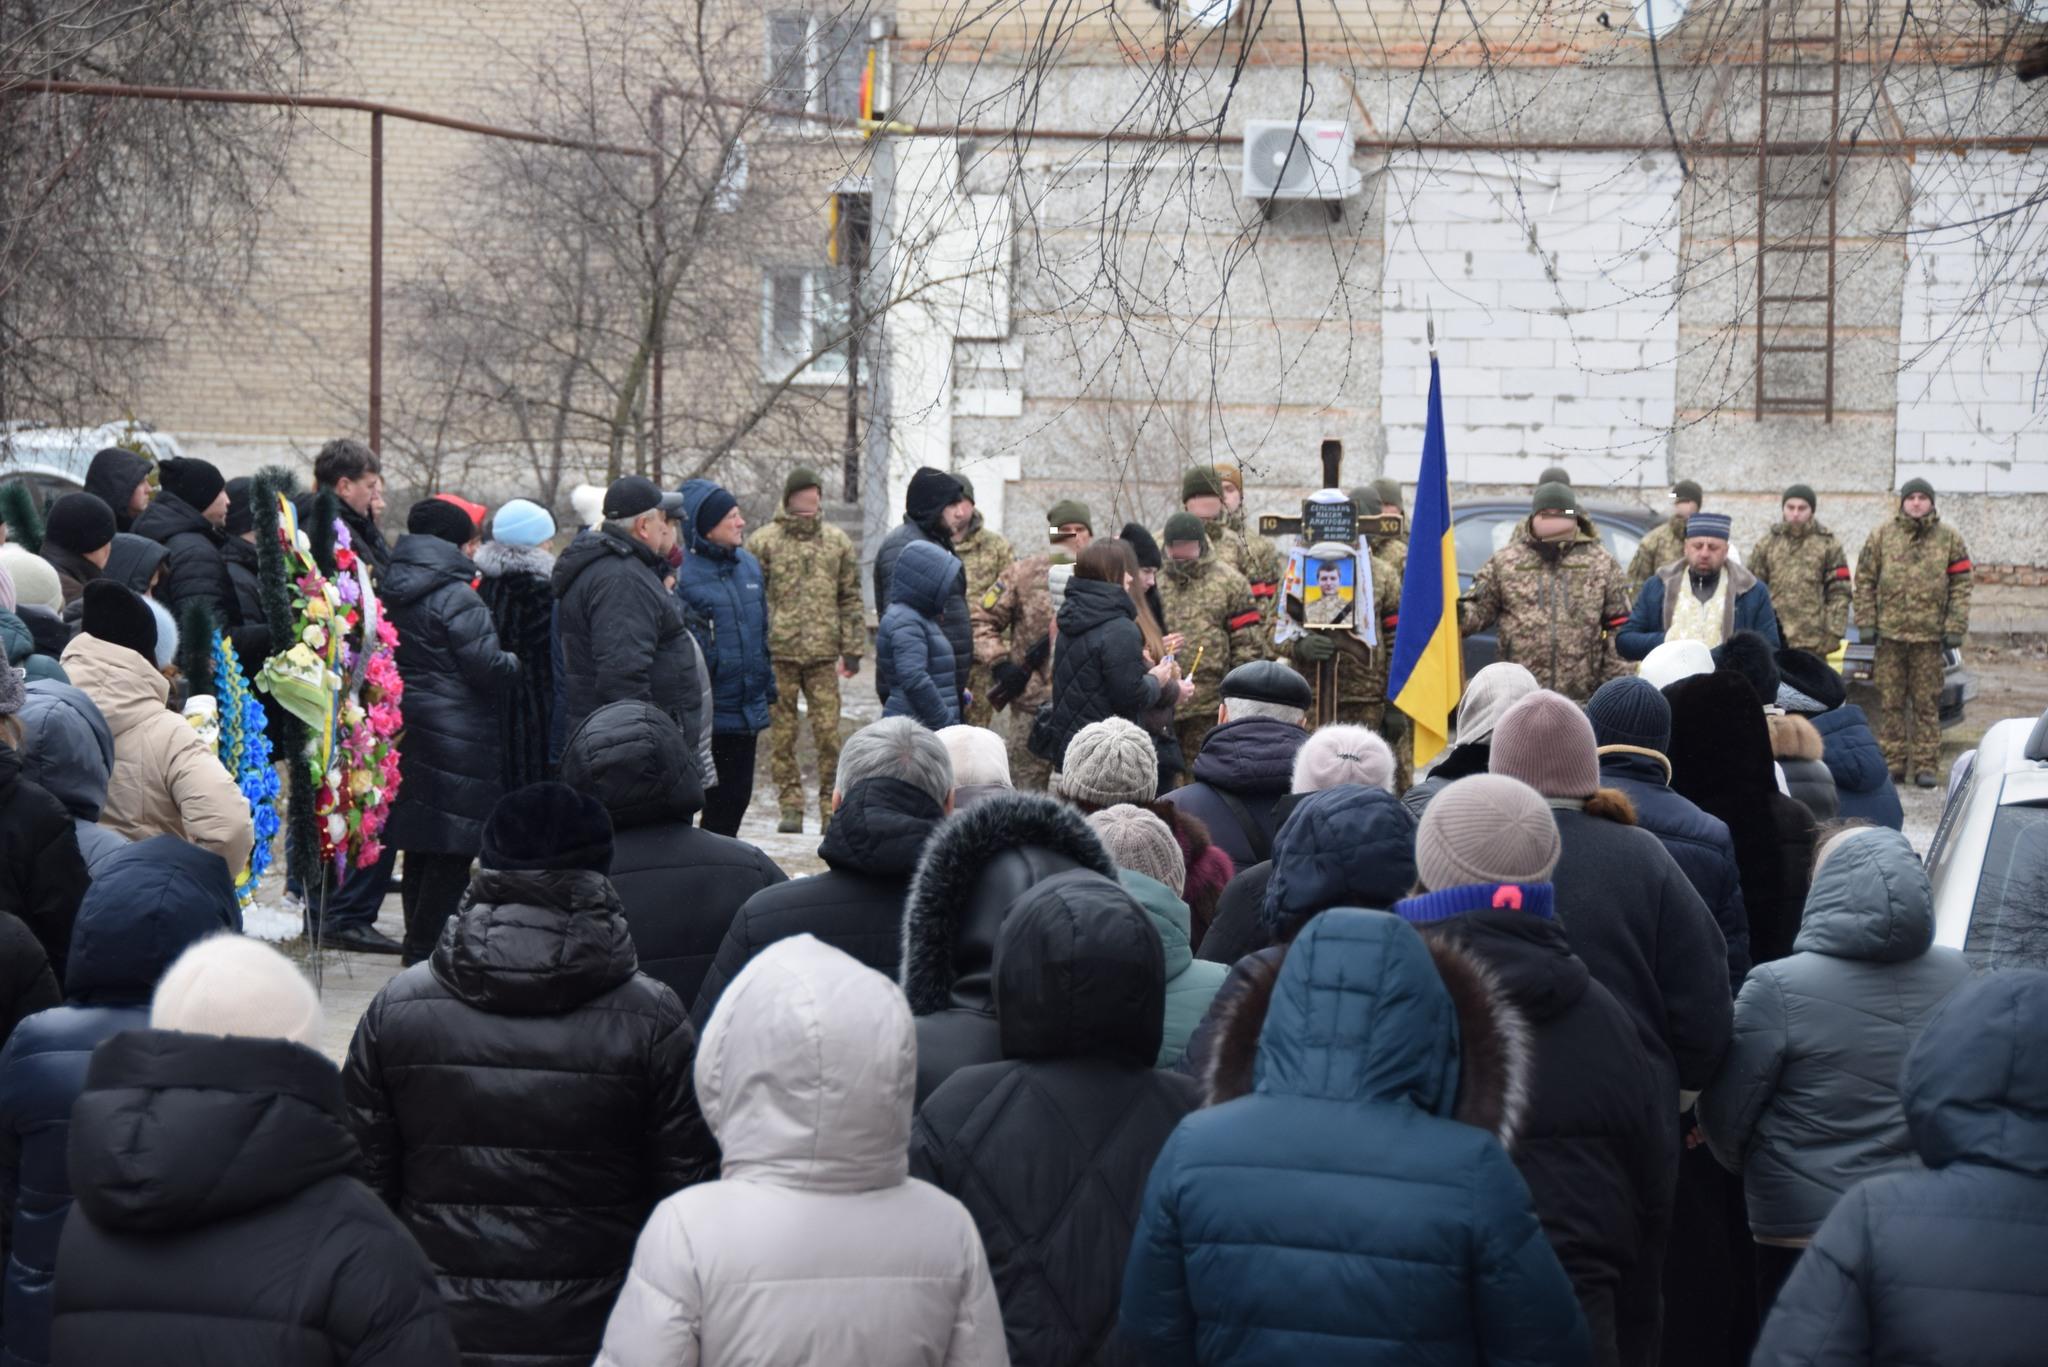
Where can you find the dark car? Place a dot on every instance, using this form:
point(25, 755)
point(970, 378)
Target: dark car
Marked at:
point(1483, 526)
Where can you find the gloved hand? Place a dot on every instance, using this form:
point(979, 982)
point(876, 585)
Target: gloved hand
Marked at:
point(1952, 642)
point(849, 665)
point(1315, 648)
point(1011, 679)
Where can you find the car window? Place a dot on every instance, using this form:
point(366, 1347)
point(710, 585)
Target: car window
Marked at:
point(1477, 538)
point(1621, 541)
point(2009, 919)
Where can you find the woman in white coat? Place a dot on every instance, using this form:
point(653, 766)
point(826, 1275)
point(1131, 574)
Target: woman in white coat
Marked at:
point(816, 1246)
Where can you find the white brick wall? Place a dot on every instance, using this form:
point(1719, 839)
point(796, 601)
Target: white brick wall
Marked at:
point(1973, 346)
point(1552, 282)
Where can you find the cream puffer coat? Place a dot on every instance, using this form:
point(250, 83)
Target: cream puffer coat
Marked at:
point(165, 780)
point(816, 1246)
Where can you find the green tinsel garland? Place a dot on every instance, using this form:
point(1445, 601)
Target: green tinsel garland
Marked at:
point(24, 520)
point(195, 647)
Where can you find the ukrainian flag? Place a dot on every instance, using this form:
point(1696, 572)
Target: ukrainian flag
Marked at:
point(1427, 675)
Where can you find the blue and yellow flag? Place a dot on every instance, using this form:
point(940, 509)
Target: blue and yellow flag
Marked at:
point(1427, 675)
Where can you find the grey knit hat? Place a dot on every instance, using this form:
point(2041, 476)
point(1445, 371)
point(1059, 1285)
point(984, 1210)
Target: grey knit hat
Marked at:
point(1139, 841)
point(1108, 762)
point(1488, 828)
point(1547, 743)
point(1491, 693)
point(1335, 755)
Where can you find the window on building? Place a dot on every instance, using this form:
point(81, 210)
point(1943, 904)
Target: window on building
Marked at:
point(815, 63)
point(804, 317)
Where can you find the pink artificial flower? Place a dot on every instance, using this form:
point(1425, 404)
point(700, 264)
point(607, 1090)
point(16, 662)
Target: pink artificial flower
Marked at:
point(370, 853)
point(387, 633)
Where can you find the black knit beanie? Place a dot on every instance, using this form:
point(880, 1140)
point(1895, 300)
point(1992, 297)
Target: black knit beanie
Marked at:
point(117, 615)
point(197, 482)
point(713, 510)
point(79, 523)
point(438, 517)
point(241, 516)
point(548, 826)
point(1140, 541)
point(931, 493)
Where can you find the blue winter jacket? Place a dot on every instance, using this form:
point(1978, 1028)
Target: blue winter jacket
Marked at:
point(1698, 843)
point(729, 613)
point(148, 902)
point(1863, 785)
point(913, 658)
point(1646, 623)
point(1942, 1263)
point(1338, 1213)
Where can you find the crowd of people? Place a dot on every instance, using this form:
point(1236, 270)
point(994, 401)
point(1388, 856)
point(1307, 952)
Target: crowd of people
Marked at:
point(1161, 1025)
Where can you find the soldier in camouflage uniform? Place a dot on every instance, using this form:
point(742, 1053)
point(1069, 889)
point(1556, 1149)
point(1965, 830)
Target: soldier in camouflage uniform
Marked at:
point(1915, 576)
point(1389, 546)
point(810, 576)
point(1803, 565)
point(1554, 596)
point(1210, 605)
point(1203, 492)
point(984, 554)
point(1665, 543)
point(1013, 636)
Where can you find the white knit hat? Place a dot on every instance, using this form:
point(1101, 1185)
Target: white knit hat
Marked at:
point(1108, 762)
point(979, 756)
point(1139, 841)
point(231, 985)
point(1335, 755)
point(35, 581)
point(1675, 660)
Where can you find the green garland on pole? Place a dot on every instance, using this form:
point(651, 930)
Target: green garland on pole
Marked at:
point(24, 520)
point(195, 647)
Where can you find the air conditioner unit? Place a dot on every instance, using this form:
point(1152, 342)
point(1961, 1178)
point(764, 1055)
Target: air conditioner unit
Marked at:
point(1291, 159)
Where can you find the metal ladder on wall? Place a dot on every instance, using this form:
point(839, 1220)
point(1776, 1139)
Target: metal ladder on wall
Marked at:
point(1798, 163)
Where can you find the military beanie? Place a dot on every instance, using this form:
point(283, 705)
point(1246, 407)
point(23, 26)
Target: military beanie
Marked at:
point(1390, 492)
point(1687, 491)
point(1804, 491)
point(1916, 486)
point(1184, 527)
point(1553, 497)
point(801, 478)
point(1200, 481)
point(1556, 474)
point(1069, 510)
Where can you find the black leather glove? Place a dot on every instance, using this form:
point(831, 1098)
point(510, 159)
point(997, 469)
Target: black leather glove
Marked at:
point(1011, 679)
point(850, 663)
point(1316, 647)
point(1952, 641)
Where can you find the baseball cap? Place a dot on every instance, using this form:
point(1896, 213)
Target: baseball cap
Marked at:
point(632, 495)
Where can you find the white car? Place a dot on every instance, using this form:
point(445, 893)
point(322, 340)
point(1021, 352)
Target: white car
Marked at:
point(58, 456)
point(1989, 859)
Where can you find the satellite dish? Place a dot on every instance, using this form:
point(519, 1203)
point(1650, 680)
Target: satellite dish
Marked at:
point(1214, 13)
point(1656, 18)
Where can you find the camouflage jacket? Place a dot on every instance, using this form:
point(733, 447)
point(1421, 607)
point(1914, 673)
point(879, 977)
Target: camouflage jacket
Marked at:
point(1664, 544)
point(1915, 577)
point(984, 554)
point(1554, 609)
point(810, 574)
point(1392, 549)
point(1362, 677)
point(1211, 604)
point(1808, 576)
point(1257, 559)
point(1011, 618)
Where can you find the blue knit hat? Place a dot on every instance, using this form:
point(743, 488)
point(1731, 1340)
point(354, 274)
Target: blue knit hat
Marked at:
point(1630, 711)
point(1709, 524)
point(522, 522)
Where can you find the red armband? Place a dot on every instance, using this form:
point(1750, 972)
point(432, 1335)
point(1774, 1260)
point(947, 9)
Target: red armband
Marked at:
point(1243, 620)
point(1391, 620)
point(1959, 566)
point(1262, 589)
point(1617, 623)
point(1842, 571)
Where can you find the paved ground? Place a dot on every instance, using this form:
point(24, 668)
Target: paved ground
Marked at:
point(2012, 681)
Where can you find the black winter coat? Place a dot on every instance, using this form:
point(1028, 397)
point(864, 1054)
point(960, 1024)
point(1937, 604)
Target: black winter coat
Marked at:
point(42, 874)
point(516, 589)
point(219, 1220)
point(1050, 1149)
point(1942, 1264)
point(1252, 761)
point(680, 885)
point(457, 682)
point(973, 871)
point(1721, 760)
point(1700, 844)
point(197, 571)
point(959, 628)
point(523, 1100)
point(1598, 1141)
point(243, 577)
point(622, 634)
point(26, 983)
point(1099, 669)
point(1648, 939)
point(870, 851)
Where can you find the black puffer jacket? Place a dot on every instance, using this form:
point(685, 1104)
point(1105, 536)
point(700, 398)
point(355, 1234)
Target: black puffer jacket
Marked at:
point(1699, 843)
point(1599, 1139)
point(26, 983)
point(680, 885)
point(523, 1101)
point(1099, 670)
point(218, 1219)
point(870, 851)
point(1050, 1149)
point(457, 681)
point(42, 874)
point(622, 634)
point(197, 571)
point(954, 621)
point(1251, 761)
point(973, 870)
point(517, 590)
point(240, 557)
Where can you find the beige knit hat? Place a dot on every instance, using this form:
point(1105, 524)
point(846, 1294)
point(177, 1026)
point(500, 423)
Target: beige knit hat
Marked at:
point(1491, 693)
point(1486, 829)
point(231, 985)
point(1108, 762)
point(1545, 741)
point(1139, 841)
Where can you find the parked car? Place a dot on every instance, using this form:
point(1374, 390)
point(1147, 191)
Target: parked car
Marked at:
point(1483, 526)
point(53, 460)
point(1989, 858)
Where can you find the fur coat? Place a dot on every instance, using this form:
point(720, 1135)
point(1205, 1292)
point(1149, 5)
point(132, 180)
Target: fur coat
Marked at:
point(516, 588)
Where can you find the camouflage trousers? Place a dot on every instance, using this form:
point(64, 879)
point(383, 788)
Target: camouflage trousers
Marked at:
point(1908, 675)
point(980, 712)
point(818, 683)
point(1028, 773)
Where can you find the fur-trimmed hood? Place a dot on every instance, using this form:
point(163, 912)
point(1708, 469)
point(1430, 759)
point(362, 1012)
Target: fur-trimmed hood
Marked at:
point(973, 867)
point(496, 560)
point(1462, 1052)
